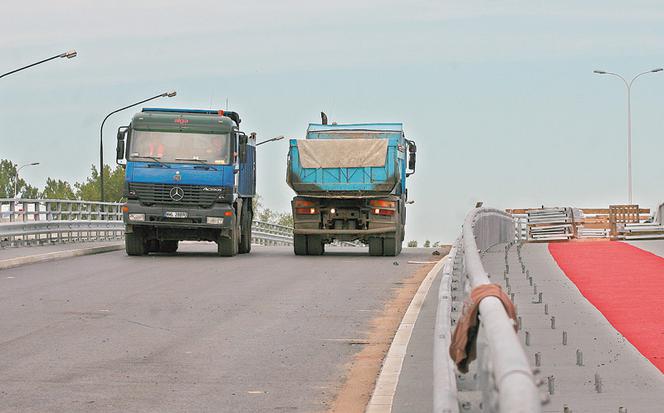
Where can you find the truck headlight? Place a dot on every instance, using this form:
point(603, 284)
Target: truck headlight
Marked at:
point(137, 217)
point(215, 220)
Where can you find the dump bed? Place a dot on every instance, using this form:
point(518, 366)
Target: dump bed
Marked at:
point(352, 160)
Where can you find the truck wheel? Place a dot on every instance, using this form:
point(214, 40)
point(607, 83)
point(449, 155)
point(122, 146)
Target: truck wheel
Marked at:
point(168, 247)
point(245, 234)
point(134, 244)
point(228, 246)
point(315, 245)
point(300, 244)
point(375, 246)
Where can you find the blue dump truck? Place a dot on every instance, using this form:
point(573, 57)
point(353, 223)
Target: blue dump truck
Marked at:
point(190, 175)
point(350, 182)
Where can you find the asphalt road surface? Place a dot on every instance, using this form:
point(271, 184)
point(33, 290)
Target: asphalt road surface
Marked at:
point(191, 332)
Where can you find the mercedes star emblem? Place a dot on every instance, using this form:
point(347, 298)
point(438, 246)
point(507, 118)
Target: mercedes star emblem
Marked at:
point(176, 193)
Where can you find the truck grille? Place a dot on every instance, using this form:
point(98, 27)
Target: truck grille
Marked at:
point(191, 194)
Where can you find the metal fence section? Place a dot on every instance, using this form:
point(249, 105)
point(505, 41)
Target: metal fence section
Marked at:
point(264, 233)
point(504, 375)
point(46, 221)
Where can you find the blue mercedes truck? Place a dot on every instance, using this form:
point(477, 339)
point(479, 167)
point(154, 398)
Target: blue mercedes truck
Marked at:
point(350, 182)
point(190, 175)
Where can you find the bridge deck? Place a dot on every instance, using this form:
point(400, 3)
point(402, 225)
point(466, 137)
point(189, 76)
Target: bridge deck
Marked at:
point(189, 332)
point(626, 377)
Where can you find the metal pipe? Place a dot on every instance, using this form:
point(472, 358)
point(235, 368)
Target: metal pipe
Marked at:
point(513, 376)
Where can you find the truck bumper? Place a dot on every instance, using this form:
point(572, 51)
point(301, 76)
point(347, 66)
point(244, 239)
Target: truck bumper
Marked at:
point(157, 216)
point(324, 232)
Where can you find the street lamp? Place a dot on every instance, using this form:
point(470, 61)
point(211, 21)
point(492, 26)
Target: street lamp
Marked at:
point(69, 55)
point(16, 177)
point(277, 138)
point(101, 135)
point(629, 121)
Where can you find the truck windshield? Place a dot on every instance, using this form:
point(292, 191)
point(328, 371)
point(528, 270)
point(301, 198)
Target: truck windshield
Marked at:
point(180, 147)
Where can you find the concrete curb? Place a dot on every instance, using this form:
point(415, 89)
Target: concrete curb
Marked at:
point(57, 255)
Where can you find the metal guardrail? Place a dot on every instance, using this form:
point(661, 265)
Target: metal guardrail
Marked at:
point(264, 233)
point(47, 221)
point(505, 377)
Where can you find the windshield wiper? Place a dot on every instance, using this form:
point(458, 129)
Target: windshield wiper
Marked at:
point(203, 161)
point(192, 159)
point(154, 158)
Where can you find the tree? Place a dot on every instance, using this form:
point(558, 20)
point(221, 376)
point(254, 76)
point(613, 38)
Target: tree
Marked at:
point(285, 219)
point(412, 244)
point(28, 191)
point(113, 185)
point(8, 179)
point(268, 215)
point(57, 189)
point(427, 244)
point(436, 244)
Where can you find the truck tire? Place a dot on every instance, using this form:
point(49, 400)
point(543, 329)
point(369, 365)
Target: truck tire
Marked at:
point(245, 226)
point(168, 247)
point(300, 244)
point(375, 246)
point(391, 245)
point(228, 246)
point(315, 245)
point(134, 244)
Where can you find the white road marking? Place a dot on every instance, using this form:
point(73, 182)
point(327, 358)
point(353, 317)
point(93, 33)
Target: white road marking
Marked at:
point(386, 385)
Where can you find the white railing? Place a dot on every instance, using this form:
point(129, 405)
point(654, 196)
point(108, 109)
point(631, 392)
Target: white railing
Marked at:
point(48, 221)
point(504, 375)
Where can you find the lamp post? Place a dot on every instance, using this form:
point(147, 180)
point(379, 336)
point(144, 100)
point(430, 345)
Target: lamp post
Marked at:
point(16, 177)
point(277, 138)
point(101, 135)
point(628, 85)
point(69, 55)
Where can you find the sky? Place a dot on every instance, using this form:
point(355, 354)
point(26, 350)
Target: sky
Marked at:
point(499, 95)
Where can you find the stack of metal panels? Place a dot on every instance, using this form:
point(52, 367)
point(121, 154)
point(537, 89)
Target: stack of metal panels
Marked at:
point(646, 230)
point(549, 224)
point(593, 232)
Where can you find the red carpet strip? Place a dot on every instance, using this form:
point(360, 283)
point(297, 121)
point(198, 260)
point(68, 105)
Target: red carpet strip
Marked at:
point(624, 283)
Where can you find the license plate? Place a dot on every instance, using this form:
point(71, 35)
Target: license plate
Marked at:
point(175, 214)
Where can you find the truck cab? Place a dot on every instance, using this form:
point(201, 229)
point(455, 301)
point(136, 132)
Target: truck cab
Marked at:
point(189, 175)
point(350, 181)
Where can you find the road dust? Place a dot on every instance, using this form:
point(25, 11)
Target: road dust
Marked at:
point(362, 372)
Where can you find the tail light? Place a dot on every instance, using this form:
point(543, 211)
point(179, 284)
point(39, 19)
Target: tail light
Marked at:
point(381, 203)
point(378, 211)
point(382, 207)
point(301, 203)
point(306, 211)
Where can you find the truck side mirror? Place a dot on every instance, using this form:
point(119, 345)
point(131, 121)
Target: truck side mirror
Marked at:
point(411, 161)
point(412, 157)
point(120, 147)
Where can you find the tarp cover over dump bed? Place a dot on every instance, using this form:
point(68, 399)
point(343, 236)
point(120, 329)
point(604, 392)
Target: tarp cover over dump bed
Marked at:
point(350, 160)
point(342, 153)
